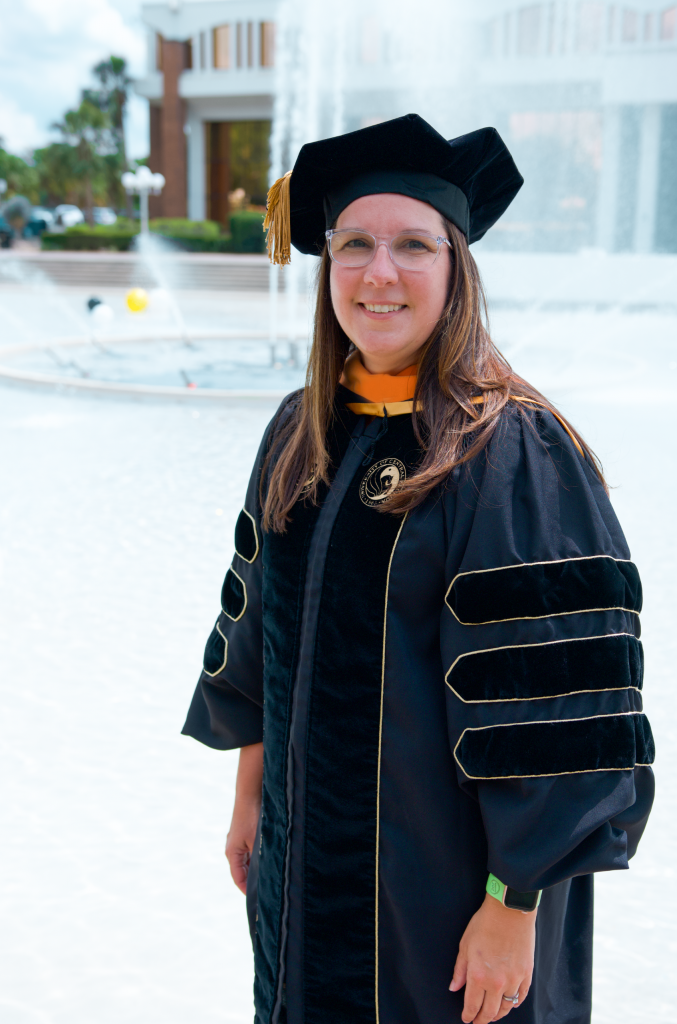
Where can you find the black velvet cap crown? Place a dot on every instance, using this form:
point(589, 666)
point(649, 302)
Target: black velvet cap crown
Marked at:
point(470, 180)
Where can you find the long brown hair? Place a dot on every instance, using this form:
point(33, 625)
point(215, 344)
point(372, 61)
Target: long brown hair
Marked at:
point(458, 363)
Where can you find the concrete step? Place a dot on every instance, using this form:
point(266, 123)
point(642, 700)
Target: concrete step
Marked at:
point(217, 272)
point(553, 281)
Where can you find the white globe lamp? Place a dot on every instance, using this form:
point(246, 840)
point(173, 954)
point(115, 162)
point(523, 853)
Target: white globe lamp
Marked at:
point(143, 182)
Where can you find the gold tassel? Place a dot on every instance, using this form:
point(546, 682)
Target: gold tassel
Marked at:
point(278, 221)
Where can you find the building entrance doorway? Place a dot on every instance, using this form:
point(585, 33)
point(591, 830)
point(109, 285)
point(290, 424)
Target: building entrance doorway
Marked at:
point(237, 163)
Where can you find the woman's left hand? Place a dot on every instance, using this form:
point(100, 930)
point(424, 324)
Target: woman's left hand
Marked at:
point(495, 958)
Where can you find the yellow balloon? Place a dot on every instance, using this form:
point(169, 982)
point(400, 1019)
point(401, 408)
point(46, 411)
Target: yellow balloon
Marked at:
point(137, 300)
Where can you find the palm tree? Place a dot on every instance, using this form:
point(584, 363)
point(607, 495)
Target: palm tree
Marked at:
point(88, 131)
point(112, 98)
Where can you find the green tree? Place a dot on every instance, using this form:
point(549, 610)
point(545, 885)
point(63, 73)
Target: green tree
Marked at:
point(57, 173)
point(112, 98)
point(87, 131)
point(86, 166)
point(113, 95)
point(21, 178)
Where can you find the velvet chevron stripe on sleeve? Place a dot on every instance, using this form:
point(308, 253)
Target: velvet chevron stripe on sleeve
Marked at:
point(216, 652)
point(538, 590)
point(528, 750)
point(246, 537)
point(554, 669)
point(233, 596)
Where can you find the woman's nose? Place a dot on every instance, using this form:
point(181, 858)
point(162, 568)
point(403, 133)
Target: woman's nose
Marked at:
point(381, 270)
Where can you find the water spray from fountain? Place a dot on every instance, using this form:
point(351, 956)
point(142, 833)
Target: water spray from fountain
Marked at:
point(154, 251)
point(39, 283)
point(330, 79)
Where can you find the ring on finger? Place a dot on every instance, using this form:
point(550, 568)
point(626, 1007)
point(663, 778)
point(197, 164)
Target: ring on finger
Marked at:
point(513, 999)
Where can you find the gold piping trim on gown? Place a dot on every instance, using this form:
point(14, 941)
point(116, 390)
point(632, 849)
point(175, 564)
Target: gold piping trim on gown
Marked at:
point(376, 408)
point(378, 777)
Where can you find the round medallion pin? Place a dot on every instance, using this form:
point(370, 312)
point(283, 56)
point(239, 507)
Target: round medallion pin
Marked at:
point(380, 480)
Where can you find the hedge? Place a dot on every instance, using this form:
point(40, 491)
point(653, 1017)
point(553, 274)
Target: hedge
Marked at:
point(179, 227)
point(246, 229)
point(246, 235)
point(97, 238)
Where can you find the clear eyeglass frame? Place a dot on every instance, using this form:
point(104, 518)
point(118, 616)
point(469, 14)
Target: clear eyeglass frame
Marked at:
point(380, 240)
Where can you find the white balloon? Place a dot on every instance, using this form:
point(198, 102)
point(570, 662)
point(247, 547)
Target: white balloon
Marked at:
point(102, 314)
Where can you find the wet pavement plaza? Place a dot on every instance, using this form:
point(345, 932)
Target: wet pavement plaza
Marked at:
point(115, 532)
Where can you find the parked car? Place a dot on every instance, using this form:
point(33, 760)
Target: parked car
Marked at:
point(104, 215)
point(6, 233)
point(41, 219)
point(67, 216)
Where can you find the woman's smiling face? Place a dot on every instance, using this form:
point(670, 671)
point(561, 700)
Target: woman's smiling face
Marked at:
point(389, 341)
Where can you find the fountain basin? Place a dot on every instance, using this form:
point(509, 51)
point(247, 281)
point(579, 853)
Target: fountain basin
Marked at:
point(207, 366)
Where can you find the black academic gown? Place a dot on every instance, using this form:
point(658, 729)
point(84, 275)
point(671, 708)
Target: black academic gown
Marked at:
point(439, 695)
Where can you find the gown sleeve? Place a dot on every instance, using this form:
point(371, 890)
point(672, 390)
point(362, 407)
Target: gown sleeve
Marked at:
point(226, 711)
point(544, 667)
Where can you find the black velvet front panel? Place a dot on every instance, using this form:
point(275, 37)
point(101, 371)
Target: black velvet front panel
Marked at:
point(340, 865)
point(215, 652)
point(246, 541)
point(284, 561)
point(604, 743)
point(548, 670)
point(541, 589)
point(285, 558)
point(233, 596)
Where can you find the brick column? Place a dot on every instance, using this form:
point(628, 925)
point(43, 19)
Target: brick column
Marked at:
point(155, 160)
point(174, 196)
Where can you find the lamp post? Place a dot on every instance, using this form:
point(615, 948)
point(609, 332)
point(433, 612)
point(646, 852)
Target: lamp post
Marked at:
point(143, 182)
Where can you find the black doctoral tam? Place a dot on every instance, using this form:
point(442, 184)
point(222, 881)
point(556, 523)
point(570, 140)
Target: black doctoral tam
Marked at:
point(470, 180)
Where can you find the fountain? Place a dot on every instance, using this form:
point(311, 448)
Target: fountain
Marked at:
point(338, 68)
point(59, 344)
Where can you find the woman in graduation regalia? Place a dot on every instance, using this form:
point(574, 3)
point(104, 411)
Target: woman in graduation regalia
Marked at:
point(428, 646)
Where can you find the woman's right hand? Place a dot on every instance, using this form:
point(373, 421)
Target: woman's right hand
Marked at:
point(242, 834)
point(495, 961)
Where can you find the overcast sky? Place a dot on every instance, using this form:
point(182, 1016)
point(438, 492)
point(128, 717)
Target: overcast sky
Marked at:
point(47, 50)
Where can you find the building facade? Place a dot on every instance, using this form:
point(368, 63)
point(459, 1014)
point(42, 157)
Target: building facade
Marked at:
point(210, 84)
point(583, 91)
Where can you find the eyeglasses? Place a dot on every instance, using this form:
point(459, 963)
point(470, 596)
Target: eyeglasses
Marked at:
point(410, 250)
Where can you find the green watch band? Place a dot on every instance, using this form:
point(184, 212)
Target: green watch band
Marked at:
point(511, 898)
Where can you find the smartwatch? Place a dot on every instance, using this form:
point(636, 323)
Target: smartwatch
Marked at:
point(511, 898)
